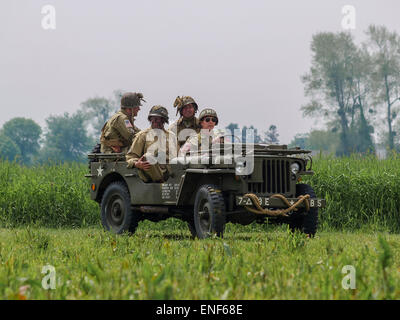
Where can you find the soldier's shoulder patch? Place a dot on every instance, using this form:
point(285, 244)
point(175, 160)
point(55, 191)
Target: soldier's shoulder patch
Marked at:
point(128, 124)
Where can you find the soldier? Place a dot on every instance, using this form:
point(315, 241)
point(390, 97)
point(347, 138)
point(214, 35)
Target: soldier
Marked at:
point(187, 107)
point(118, 132)
point(149, 144)
point(208, 120)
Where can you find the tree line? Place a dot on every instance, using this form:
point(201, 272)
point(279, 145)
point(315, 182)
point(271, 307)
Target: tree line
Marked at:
point(67, 137)
point(355, 90)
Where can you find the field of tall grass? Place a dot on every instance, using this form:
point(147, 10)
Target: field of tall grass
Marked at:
point(47, 217)
point(161, 261)
point(48, 195)
point(360, 193)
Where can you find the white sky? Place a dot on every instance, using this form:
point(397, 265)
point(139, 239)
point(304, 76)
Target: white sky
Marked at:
point(243, 58)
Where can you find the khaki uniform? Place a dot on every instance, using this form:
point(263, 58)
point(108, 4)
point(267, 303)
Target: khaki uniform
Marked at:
point(143, 141)
point(118, 131)
point(181, 124)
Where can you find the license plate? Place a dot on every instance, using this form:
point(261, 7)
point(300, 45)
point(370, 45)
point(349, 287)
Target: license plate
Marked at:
point(276, 202)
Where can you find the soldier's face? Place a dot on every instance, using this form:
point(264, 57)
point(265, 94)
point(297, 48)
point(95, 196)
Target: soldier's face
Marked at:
point(207, 125)
point(188, 111)
point(129, 111)
point(157, 122)
point(135, 111)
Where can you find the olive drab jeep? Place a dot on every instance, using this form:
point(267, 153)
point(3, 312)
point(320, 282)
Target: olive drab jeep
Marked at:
point(207, 192)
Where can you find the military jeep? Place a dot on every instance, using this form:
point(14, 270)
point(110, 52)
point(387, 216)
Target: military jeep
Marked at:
point(209, 190)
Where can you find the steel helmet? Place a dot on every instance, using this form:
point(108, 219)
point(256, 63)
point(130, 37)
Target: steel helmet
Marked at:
point(158, 111)
point(180, 102)
point(131, 100)
point(208, 112)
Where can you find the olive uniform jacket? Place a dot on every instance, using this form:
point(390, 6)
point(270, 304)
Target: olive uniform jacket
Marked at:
point(147, 143)
point(181, 124)
point(118, 131)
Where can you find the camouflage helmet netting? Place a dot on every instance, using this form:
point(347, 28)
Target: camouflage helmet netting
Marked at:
point(180, 102)
point(131, 99)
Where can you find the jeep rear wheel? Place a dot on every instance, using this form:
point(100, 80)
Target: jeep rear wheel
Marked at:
point(209, 212)
point(116, 213)
point(302, 220)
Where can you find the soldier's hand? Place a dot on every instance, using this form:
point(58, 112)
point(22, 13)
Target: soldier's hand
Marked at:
point(144, 165)
point(116, 149)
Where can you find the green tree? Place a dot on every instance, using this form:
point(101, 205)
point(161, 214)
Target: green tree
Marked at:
point(8, 149)
point(99, 109)
point(384, 48)
point(66, 138)
point(337, 87)
point(25, 133)
point(271, 136)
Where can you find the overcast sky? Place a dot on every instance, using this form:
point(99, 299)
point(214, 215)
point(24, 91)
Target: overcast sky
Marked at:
point(243, 58)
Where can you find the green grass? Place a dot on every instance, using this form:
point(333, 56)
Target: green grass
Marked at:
point(49, 195)
point(360, 192)
point(161, 261)
point(47, 217)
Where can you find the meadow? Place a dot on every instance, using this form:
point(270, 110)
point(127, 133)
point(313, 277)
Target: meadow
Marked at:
point(47, 217)
point(161, 261)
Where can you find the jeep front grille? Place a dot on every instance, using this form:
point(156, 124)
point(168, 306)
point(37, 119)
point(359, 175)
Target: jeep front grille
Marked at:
point(275, 177)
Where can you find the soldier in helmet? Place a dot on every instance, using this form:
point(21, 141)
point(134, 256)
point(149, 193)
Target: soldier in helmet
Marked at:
point(208, 120)
point(150, 143)
point(187, 107)
point(118, 132)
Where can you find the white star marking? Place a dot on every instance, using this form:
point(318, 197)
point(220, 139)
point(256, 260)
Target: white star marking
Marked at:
point(100, 172)
point(291, 202)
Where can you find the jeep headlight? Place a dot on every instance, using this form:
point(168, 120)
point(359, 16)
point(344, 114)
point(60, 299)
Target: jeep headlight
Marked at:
point(240, 167)
point(295, 168)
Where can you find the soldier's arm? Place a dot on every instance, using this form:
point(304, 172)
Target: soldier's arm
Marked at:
point(126, 133)
point(136, 150)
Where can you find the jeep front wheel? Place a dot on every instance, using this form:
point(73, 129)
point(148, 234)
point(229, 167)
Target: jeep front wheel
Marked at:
point(209, 212)
point(116, 213)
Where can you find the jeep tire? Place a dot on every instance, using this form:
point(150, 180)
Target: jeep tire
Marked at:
point(116, 213)
point(209, 212)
